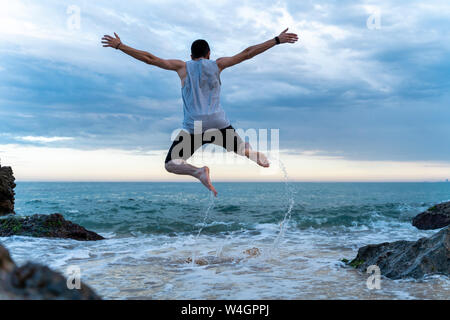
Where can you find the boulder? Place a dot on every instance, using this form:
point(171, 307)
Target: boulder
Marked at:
point(6, 263)
point(408, 259)
point(7, 186)
point(45, 226)
point(37, 282)
point(435, 217)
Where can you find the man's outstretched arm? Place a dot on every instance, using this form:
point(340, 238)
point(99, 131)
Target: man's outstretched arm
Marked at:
point(144, 56)
point(252, 51)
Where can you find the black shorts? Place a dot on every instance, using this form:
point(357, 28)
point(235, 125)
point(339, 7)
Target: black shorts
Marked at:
point(185, 144)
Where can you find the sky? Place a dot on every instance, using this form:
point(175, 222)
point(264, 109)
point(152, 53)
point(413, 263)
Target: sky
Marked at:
point(362, 96)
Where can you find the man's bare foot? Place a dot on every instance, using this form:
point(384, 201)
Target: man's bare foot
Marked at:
point(257, 157)
point(262, 160)
point(203, 176)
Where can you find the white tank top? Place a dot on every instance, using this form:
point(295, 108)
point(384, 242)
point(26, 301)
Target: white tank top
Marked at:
point(201, 96)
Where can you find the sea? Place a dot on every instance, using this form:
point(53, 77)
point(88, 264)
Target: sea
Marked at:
point(273, 240)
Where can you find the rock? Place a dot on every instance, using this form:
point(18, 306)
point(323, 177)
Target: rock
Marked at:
point(7, 186)
point(253, 252)
point(37, 282)
point(45, 226)
point(211, 260)
point(435, 217)
point(405, 259)
point(6, 263)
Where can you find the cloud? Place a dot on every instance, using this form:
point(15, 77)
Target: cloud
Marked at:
point(44, 139)
point(342, 89)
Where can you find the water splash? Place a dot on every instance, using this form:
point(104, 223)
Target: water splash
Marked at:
point(208, 209)
point(289, 192)
point(221, 246)
point(203, 225)
point(290, 200)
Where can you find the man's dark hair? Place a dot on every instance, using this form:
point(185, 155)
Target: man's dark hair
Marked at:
point(199, 49)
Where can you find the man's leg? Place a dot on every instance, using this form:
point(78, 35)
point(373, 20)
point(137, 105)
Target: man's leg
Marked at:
point(256, 156)
point(182, 148)
point(180, 166)
point(233, 142)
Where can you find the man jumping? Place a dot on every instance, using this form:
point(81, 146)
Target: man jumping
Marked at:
point(204, 119)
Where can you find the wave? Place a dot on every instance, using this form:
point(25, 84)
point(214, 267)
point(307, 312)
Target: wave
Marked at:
point(164, 209)
point(160, 217)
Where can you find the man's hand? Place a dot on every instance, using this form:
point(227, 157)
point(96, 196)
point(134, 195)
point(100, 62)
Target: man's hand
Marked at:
point(109, 41)
point(287, 37)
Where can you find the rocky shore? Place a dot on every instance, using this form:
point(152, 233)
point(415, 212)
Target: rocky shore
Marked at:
point(436, 217)
point(38, 225)
point(408, 259)
point(45, 226)
point(7, 186)
point(37, 282)
point(413, 259)
point(34, 281)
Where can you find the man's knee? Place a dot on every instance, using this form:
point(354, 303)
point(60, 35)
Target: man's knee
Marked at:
point(169, 166)
point(173, 164)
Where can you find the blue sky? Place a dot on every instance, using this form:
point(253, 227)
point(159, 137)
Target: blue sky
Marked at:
point(344, 91)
